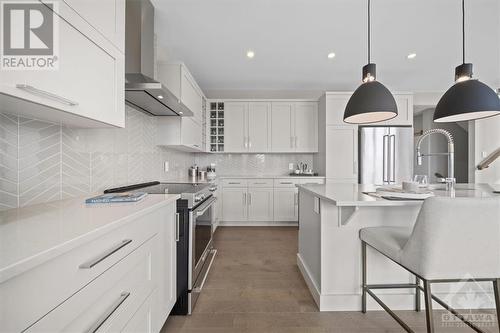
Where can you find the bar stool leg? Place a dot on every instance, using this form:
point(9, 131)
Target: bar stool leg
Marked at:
point(428, 306)
point(363, 277)
point(496, 288)
point(417, 295)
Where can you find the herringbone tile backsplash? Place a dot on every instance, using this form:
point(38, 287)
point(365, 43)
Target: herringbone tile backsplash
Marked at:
point(41, 161)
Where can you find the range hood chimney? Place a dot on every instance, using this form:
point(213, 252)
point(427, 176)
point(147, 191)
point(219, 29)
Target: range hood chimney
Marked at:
point(141, 90)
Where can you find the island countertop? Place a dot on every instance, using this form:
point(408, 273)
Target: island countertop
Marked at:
point(34, 234)
point(342, 194)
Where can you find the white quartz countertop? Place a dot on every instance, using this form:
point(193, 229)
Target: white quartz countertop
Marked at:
point(352, 194)
point(32, 235)
point(267, 176)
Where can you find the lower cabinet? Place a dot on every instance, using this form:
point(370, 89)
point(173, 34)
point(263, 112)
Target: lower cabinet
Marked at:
point(234, 206)
point(261, 200)
point(123, 281)
point(286, 204)
point(260, 204)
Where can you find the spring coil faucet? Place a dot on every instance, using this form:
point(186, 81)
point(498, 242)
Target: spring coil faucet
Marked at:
point(450, 180)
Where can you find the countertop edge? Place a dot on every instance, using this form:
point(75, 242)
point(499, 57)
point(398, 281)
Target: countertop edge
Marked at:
point(28, 263)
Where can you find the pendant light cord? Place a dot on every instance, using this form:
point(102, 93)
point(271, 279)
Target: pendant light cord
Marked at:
point(463, 31)
point(369, 32)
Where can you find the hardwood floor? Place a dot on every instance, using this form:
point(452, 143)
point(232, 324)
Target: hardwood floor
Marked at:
point(255, 286)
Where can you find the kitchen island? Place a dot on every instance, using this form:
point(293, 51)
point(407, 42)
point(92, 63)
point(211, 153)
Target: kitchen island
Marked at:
point(329, 257)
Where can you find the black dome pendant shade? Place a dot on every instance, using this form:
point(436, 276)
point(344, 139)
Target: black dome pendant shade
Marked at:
point(467, 99)
point(372, 102)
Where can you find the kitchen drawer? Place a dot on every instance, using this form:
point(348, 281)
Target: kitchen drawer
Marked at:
point(234, 182)
point(111, 300)
point(260, 182)
point(34, 293)
point(312, 181)
point(286, 182)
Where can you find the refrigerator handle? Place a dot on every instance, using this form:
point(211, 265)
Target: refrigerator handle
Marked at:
point(392, 146)
point(385, 166)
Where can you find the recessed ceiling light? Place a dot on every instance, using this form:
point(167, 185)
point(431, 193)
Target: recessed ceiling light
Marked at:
point(331, 55)
point(411, 56)
point(250, 54)
point(180, 112)
point(160, 96)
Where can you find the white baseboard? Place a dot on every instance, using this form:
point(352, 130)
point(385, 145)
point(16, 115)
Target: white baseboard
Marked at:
point(313, 288)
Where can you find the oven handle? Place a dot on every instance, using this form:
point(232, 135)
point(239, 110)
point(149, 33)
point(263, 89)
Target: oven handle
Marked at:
point(200, 211)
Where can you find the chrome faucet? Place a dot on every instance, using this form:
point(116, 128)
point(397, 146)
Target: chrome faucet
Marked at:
point(450, 180)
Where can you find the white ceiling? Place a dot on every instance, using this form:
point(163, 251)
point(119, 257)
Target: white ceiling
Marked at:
point(291, 40)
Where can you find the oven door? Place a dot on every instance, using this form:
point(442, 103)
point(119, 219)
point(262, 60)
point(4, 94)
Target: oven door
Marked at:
point(201, 233)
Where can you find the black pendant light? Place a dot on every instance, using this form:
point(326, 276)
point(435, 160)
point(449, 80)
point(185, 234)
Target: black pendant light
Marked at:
point(467, 99)
point(372, 102)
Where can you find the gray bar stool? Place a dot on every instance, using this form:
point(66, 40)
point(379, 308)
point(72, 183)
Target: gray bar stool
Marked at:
point(452, 239)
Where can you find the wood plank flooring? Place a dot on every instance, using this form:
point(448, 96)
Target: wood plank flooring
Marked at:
point(254, 286)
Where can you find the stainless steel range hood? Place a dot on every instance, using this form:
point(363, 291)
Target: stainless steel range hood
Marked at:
point(141, 91)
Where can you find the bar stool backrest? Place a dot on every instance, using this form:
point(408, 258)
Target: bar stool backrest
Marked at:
point(455, 238)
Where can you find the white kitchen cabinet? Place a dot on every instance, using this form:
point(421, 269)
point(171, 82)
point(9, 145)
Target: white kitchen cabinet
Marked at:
point(109, 20)
point(282, 139)
point(235, 127)
point(259, 126)
point(335, 106)
point(294, 127)
point(177, 78)
point(260, 204)
point(179, 133)
point(342, 153)
point(262, 201)
point(85, 91)
point(306, 127)
point(285, 204)
point(234, 206)
point(166, 292)
point(247, 126)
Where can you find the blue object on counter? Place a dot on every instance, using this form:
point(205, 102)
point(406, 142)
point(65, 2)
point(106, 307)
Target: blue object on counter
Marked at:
point(117, 197)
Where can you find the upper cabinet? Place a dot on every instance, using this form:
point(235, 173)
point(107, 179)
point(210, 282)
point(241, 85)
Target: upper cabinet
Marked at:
point(294, 127)
point(85, 88)
point(108, 19)
point(177, 78)
point(247, 126)
point(260, 126)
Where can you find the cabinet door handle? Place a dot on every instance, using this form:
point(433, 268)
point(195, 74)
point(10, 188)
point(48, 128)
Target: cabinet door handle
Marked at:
point(296, 138)
point(291, 142)
point(249, 199)
point(94, 261)
point(249, 143)
point(102, 319)
point(46, 94)
point(245, 142)
point(177, 227)
point(295, 199)
point(244, 198)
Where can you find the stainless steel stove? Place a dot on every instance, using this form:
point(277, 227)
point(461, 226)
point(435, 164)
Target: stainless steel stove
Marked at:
point(195, 252)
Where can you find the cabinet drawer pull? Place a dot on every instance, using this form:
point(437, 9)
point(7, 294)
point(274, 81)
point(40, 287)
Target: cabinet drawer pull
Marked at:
point(102, 319)
point(43, 93)
point(234, 183)
point(263, 183)
point(94, 261)
point(177, 227)
point(286, 183)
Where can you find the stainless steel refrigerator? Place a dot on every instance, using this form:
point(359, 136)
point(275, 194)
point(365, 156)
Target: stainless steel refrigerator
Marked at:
point(385, 155)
